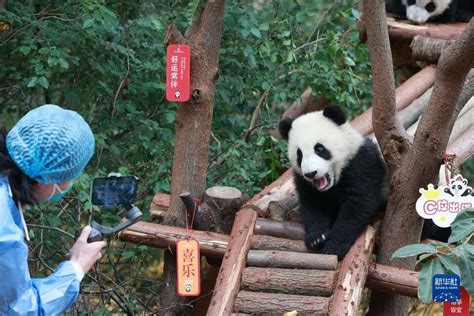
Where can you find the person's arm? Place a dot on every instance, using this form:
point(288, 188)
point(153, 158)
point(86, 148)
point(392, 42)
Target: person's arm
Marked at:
point(21, 295)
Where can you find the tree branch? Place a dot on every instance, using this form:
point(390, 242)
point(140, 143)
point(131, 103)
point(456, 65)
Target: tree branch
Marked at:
point(390, 134)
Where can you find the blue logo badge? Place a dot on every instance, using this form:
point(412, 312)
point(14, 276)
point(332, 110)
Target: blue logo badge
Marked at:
point(446, 287)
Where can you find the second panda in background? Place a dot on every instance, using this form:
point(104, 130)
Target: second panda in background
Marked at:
point(438, 11)
point(340, 178)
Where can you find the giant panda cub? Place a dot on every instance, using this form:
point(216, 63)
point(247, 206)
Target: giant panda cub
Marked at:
point(440, 11)
point(339, 176)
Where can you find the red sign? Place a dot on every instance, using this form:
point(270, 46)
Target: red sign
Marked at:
point(188, 261)
point(178, 63)
point(459, 308)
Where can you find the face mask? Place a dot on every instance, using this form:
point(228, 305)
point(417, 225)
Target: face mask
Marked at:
point(58, 196)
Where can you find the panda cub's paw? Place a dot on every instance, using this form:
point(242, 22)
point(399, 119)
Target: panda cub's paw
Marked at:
point(336, 248)
point(315, 240)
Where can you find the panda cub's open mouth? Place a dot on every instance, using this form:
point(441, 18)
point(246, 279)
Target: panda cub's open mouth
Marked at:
point(322, 184)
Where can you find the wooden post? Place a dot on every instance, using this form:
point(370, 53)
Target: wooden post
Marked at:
point(353, 273)
point(228, 280)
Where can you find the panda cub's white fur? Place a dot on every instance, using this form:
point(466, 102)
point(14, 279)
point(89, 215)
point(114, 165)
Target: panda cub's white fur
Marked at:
point(418, 13)
point(342, 141)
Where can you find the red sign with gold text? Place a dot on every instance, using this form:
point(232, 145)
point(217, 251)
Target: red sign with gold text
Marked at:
point(177, 73)
point(188, 261)
point(459, 308)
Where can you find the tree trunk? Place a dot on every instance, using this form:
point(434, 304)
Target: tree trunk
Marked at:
point(278, 304)
point(193, 129)
point(291, 281)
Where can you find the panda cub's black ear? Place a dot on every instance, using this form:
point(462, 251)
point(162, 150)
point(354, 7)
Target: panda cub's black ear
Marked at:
point(335, 114)
point(284, 127)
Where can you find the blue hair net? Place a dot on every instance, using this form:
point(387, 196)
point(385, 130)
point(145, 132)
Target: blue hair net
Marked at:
point(51, 144)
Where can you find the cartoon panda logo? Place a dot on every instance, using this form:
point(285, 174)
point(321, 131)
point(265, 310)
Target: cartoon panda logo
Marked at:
point(458, 187)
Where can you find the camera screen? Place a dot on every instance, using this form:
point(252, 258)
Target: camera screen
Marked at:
point(114, 191)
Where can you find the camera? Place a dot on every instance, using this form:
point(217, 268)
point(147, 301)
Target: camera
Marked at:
point(113, 192)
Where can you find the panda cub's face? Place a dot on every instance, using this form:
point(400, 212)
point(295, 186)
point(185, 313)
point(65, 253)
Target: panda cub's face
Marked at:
point(420, 11)
point(320, 144)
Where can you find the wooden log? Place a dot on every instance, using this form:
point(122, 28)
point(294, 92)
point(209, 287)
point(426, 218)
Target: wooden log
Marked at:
point(462, 124)
point(395, 280)
point(228, 280)
point(409, 115)
point(263, 242)
point(290, 281)
point(274, 304)
point(217, 211)
point(462, 147)
point(405, 94)
point(163, 236)
point(353, 274)
point(291, 260)
point(159, 206)
point(428, 49)
point(212, 244)
point(281, 229)
point(278, 210)
point(294, 215)
point(277, 190)
point(403, 30)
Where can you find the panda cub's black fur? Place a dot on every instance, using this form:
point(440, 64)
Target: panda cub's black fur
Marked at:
point(340, 178)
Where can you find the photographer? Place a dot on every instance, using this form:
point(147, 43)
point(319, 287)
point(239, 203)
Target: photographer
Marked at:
point(39, 159)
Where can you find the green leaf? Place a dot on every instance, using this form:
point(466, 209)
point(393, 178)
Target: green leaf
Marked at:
point(428, 270)
point(43, 81)
point(25, 50)
point(462, 226)
point(63, 63)
point(264, 26)
point(32, 82)
point(52, 61)
point(466, 265)
point(413, 250)
point(348, 61)
point(356, 13)
point(256, 32)
point(423, 257)
point(448, 262)
point(43, 51)
point(88, 23)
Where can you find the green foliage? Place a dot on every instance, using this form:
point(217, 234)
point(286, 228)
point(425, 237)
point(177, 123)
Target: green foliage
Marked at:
point(440, 258)
point(106, 60)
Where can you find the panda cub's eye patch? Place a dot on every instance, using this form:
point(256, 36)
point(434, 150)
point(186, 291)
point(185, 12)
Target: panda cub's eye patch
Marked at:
point(430, 7)
point(410, 2)
point(299, 155)
point(322, 151)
